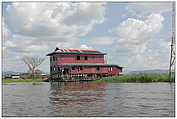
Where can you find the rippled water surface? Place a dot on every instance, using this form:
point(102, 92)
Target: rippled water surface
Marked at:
point(89, 99)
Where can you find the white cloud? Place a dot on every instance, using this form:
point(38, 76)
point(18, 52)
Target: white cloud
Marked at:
point(137, 31)
point(52, 24)
point(165, 44)
point(154, 22)
point(102, 40)
point(37, 28)
point(137, 38)
point(19, 43)
point(150, 7)
point(84, 46)
point(134, 37)
point(10, 44)
point(53, 19)
point(64, 45)
point(5, 30)
point(37, 47)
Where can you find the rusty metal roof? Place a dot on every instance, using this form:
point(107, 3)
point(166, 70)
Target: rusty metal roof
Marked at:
point(74, 51)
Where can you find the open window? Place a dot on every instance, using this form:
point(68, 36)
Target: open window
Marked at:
point(81, 68)
point(78, 57)
point(86, 57)
point(51, 68)
point(110, 69)
point(73, 68)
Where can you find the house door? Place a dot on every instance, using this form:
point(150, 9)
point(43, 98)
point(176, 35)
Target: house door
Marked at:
point(66, 71)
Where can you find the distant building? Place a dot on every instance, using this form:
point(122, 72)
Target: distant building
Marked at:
point(7, 76)
point(44, 76)
point(37, 71)
point(15, 76)
point(74, 64)
point(25, 75)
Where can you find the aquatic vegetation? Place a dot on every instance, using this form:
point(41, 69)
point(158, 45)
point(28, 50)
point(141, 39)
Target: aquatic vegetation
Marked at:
point(139, 78)
point(21, 80)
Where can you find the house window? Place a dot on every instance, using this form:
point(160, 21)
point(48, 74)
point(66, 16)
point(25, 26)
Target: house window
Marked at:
point(73, 68)
point(54, 68)
point(50, 68)
point(97, 68)
point(78, 57)
point(86, 57)
point(81, 68)
point(110, 69)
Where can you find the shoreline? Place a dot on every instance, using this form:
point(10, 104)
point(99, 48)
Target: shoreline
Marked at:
point(131, 78)
point(137, 78)
point(5, 81)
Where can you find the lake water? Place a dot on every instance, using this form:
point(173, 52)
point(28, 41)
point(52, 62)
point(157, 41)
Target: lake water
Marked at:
point(88, 99)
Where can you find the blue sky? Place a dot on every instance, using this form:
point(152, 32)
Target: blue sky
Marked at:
point(134, 35)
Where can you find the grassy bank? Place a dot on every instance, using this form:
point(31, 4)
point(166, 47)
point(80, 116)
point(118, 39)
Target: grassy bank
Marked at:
point(21, 80)
point(139, 78)
point(134, 78)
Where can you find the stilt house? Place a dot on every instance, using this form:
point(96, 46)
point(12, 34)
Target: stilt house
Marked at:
point(80, 64)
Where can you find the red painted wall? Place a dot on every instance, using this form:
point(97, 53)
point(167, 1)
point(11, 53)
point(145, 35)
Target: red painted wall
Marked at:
point(89, 70)
point(115, 71)
point(63, 59)
point(93, 70)
point(71, 59)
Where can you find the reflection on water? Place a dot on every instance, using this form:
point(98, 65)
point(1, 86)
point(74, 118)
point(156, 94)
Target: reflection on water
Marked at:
point(88, 99)
point(76, 92)
point(74, 99)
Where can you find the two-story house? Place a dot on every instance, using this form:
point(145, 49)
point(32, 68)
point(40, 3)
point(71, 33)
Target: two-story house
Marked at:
point(76, 64)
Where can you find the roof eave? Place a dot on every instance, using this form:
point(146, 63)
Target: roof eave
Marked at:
point(74, 53)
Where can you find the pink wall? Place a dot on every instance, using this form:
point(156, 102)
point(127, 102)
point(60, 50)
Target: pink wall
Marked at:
point(71, 59)
point(90, 70)
point(115, 71)
point(63, 59)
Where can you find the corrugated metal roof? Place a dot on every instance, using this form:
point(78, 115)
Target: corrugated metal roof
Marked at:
point(74, 51)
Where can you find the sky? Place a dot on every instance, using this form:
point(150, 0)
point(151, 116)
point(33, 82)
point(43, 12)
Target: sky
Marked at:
point(135, 35)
